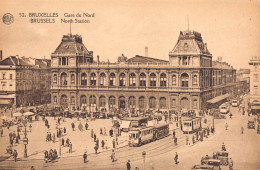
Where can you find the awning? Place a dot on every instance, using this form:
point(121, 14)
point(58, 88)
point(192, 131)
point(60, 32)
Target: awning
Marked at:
point(218, 98)
point(125, 124)
point(255, 107)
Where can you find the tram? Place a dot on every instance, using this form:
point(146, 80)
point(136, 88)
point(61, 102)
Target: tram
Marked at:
point(138, 137)
point(190, 124)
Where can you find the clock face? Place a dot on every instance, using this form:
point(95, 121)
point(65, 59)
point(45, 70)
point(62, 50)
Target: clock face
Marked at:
point(186, 45)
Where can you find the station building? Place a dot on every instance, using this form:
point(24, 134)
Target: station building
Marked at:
point(188, 80)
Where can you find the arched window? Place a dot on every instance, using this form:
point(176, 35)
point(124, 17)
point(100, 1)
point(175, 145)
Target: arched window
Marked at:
point(64, 79)
point(141, 102)
point(184, 80)
point(55, 78)
point(195, 103)
point(63, 101)
point(102, 79)
point(93, 79)
point(112, 102)
point(132, 79)
point(163, 80)
point(112, 79)
point(173, 102)
point(174, 80)
point(83, 79)
point(83, 100)
point(102, 101)
point(195, 79)
point(152, 80)
point(142, 79)
point(162, 103)
point(121, 102)
point(72, 79)
point(152, 103)
point(55, 100)
point(132, 104)
point(122, 79)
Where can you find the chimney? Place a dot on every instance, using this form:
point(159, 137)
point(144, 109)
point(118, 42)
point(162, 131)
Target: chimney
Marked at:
point(97, 58)
point(146, 51)
point(1, 55)
point(18, 59)
point(206, 47)
point(219, 58)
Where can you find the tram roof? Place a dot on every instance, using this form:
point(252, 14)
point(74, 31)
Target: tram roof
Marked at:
point(160, 125)
point(190, 118)
point(134, 118)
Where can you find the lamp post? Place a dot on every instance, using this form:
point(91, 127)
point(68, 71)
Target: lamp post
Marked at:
point(25, 142)
point(144, 154)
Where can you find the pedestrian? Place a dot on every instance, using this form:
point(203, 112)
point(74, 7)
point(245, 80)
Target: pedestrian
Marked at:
point(173, 133)
point(32, 168)
point(73, 126)
point(2, 132)
point(86, 126)
point(70, 147)
point(111, 132)
point(113, 155)
point(114, 143)
point(15, 155)
point(85, 157)
point(230, 163)
point(101, 132)
point(226, 126)
point(96, 149)
point(11, 142)
point(64, 130)
point(128, 165)
point(103, 144)
point(242, 130)
point(62, 142)
point(187, 140)
point(57, 133)
point(53, 138)
point(17, 140)
point(116, 140)
point(95, 137)
point(193, 139)
point(105, 131)
point(176, 158)
point(97, 142)
point(175, 141)
point(223, 147)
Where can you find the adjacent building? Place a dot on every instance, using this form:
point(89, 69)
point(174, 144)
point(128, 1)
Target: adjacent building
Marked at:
point(188, 80)
point(254, 65)
point(24, 81)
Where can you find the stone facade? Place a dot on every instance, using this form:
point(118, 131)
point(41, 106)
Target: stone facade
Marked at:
point(254, 65)
point(187, 81)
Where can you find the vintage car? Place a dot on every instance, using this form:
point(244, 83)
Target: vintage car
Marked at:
point(203, 167)
point(213, 162)
point(222, 156)
point(251, 124)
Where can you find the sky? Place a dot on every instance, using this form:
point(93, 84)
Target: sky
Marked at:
point(231, 28)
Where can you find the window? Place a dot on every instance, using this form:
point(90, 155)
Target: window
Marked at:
point(255, 90)
point(93, 79)
point(152, 103)
point(173, 102)
point(174, 80)
point(122, 79)
point(132, 80)
point(132, 102)
point(142, 79)
point(112, 102)
point(73, 79)
point(184, 80)
point(83, 100)
point(64, 79)
point(195, 103)
point(112, 79)
point(83, 79)
point(55, 78)
point(72, 100)
point(55, 100)
point(185, 60)
point(64, 61)
point(163, 80)
point(102, 101)
point(162, 103)
point(102, 79)
point(11, 76)
point(195, 79)
point(141, 102)
point(4, 76)
point(152, 80)
point(255, 77)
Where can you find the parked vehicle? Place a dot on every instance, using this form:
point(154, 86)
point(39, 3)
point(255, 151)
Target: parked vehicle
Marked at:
point(217, 115)
point(211, 167)
point(235, 103)
point(223, 157)
point(251, 124)
point(213, 162)
point(190, 124)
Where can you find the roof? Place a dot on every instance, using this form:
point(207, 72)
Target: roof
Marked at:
point(142, 59)
point(190, 42)
point(134, 118)
point(72, 44)
point(14, 61)
point(23, 61)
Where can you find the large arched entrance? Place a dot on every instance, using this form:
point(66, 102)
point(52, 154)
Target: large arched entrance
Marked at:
point(121, 103)
point(185, 103)
point(64, 101)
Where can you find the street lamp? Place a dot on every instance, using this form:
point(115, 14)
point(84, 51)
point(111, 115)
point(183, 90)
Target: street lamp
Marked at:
point(25, 142)
point(144, 154)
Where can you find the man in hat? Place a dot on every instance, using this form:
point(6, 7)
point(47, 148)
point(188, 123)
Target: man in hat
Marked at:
point(176, 158)
point(128, 165)
point(15, 155)
point(85, 157)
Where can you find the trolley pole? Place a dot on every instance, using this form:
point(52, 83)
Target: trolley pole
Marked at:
point(144, 154)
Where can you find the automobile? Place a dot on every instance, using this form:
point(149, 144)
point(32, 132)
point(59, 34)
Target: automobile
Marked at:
point(217, 115)
point(224, 108)
point(235, 103)
point(203, 167)
point(258, 129)
point(222, 156)
point(213, 162)
point(251, 124)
